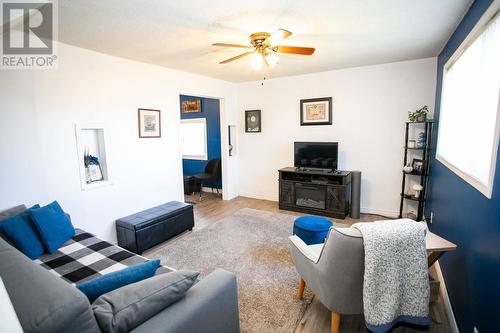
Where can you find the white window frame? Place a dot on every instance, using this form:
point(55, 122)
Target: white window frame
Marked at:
point(485, 189)
point(203, 121)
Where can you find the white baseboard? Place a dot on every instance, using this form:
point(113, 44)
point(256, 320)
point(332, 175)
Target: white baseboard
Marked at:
point(364, 210)
point(376, 211)
point(258, 196)
point(446, 299)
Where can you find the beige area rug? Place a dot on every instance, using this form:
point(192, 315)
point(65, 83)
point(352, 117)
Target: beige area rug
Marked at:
point(254, 245)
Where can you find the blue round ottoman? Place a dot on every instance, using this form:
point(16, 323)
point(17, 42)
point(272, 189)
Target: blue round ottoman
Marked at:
point(312, 229)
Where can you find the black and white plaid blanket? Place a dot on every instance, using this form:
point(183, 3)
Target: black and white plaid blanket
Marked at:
point(85, 257)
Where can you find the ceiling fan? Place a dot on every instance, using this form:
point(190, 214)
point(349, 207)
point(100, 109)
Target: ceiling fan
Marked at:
point(266, 48)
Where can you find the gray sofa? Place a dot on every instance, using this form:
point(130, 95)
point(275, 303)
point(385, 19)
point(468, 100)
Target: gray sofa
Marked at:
point(45, 302)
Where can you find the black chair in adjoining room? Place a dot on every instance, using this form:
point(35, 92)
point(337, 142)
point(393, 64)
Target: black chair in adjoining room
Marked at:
point(211, 176)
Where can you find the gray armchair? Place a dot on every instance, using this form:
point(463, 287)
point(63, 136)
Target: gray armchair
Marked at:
point(333, 270)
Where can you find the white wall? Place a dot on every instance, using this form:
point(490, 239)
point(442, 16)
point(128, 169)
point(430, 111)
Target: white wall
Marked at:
point(38, 111)
point(370, 106)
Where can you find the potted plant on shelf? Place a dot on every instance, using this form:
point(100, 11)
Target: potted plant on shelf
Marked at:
point(419, 115)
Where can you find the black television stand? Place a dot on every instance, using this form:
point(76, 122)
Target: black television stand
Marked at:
point(315, 191)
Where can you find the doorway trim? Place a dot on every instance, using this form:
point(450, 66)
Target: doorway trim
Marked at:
point(223, 125)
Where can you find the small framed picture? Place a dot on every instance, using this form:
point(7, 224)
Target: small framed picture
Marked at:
point(418, 166)
point(316, 111)
point(191, 106)
point(252, 121)
point(94, 173)
point(149, 123)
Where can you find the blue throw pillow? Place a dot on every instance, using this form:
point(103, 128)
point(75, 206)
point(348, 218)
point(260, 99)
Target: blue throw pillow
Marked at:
point(106, 283)
point(53, 224)
point(20, 230)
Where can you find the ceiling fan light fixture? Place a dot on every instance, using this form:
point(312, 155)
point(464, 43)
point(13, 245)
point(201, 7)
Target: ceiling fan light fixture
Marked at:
point(256, 61)
point(272, 59)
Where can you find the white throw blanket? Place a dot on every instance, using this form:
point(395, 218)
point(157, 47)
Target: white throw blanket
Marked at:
point(396, 282)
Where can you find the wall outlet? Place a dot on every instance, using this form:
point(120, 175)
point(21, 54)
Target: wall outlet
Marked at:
point(475, 330)
point(432, 215)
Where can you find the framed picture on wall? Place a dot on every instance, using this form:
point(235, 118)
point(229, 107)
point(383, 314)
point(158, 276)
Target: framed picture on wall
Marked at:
point(191, 106)
point(418, 166)
point(149, 123)
point(316, 111)
point(252, 121)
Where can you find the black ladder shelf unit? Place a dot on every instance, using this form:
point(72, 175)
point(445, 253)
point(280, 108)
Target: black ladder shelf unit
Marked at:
point(424, 175)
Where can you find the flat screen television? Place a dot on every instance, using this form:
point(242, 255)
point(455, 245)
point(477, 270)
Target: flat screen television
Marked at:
point(319, 155)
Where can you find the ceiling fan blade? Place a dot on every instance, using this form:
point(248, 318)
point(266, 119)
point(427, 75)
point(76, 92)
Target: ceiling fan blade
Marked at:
point(236, 58)
point(281, 34)
point(295, 50)
point(233, 45)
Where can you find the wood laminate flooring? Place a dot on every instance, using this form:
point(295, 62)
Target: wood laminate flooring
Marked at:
point(211, 208)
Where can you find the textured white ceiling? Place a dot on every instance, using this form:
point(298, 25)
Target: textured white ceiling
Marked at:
point(179, 34)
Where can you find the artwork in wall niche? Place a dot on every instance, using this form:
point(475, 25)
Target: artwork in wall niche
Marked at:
point(93, 172)
point(252, 121)
point(316, 111)
point(191, 106)
point(418, 166)
point(149, 123)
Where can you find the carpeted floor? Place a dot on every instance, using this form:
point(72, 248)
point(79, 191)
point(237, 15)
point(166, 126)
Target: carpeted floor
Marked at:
point(254, 245)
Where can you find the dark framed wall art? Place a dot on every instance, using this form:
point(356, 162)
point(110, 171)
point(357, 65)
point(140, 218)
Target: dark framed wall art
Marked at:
point(253, 121)
point(316, 111)
point(191, 106)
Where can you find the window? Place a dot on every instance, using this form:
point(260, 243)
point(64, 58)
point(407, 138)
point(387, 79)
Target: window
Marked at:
point(194, 138)
point(469, 117)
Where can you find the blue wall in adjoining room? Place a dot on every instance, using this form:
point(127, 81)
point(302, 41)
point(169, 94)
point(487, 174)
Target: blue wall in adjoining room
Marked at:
point(210, 109)
point(466, 217)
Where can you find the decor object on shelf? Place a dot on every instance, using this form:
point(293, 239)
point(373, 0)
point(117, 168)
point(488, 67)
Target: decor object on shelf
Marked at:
point(266, 48)
point(419, 115)
point(93, 172)
point(421, 140)
point(417, 188)
point(412, 144)
point(253, 121)
point(191, 106)
point(408, 168)
point(411, 215)
point(149, 123)
point(418, 166)
point(316, 111)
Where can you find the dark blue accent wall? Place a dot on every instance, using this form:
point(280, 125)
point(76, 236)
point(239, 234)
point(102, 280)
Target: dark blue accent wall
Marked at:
point(466, 217)
point(210, 109)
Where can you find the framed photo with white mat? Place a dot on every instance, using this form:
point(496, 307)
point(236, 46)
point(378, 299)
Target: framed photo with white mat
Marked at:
point(316, 111)
point(149, 123)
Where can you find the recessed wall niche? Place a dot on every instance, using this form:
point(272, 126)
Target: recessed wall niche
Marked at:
point(92, 162)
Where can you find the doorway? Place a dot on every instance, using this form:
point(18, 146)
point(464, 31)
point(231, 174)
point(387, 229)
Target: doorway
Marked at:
point(201, 148)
